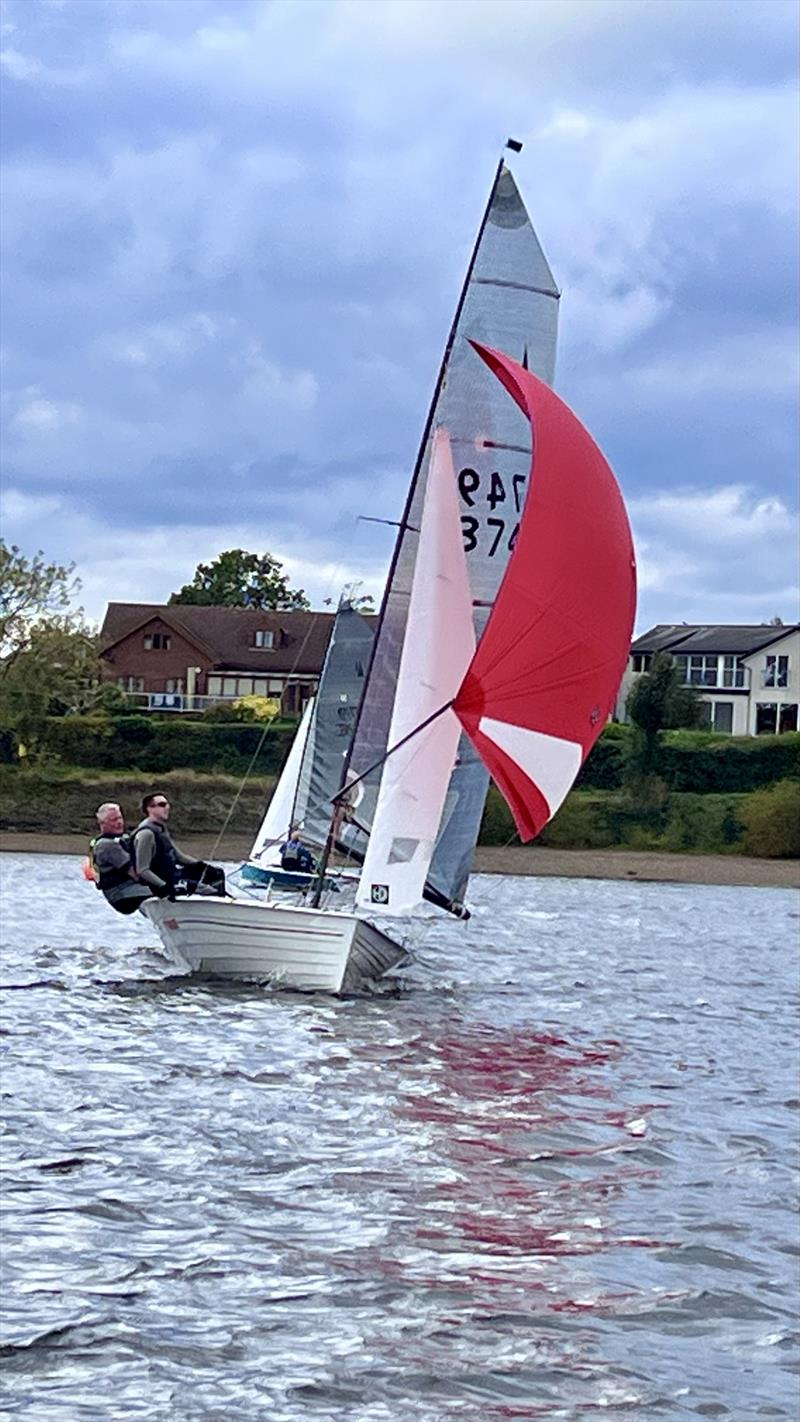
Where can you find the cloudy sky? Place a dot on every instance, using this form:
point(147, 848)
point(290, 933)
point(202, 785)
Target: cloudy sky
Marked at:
point(235, 230)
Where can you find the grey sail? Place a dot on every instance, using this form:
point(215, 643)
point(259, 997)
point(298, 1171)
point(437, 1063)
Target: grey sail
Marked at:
point(333, 720)
point(509, 301)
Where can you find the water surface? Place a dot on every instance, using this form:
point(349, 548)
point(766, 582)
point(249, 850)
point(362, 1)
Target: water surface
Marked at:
point(551, 1177)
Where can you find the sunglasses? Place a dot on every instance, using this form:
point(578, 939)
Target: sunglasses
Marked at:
point(159, 804)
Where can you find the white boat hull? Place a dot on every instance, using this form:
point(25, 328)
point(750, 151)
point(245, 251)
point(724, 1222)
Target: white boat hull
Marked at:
point(306, 949)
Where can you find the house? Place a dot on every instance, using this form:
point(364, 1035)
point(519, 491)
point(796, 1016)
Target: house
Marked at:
point(183, 657)
point(748, 676)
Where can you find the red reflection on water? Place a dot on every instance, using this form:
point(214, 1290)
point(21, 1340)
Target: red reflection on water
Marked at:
point(506, 1108)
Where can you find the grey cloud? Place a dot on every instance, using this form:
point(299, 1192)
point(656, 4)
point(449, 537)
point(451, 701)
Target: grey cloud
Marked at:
point(236, 256)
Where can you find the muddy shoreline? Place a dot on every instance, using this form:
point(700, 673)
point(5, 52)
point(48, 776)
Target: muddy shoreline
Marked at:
point(514, 859)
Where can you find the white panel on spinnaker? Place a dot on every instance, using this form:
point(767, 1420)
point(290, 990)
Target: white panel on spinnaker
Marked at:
point(550, 762)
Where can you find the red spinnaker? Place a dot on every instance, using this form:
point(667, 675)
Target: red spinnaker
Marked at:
point(547, 670)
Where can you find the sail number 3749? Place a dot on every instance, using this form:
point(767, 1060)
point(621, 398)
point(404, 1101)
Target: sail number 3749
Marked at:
point(493, 532)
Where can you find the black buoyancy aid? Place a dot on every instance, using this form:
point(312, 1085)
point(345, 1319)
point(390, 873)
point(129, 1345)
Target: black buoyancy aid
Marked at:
point(111, 878)
point(165, 861)
point(295, 857)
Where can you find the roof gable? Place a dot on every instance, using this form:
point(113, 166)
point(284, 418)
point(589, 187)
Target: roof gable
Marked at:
point(227, 634)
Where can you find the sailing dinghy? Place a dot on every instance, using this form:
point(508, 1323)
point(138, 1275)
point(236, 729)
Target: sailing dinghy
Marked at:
point(315, 766)
point(532, 697)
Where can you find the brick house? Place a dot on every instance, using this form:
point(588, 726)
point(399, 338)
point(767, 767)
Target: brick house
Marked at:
point(183, 657)
point(749, 677)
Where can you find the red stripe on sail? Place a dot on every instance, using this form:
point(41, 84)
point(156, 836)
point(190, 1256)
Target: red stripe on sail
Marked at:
point(554, 650)
point(525, 800)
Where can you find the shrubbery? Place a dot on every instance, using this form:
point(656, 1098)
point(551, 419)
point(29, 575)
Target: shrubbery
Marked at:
point(693, 824)
point(698, 761)
point(771, 820)
point(145, 743)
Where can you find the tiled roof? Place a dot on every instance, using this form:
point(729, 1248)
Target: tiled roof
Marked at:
point(226, 634)
point(709, 638)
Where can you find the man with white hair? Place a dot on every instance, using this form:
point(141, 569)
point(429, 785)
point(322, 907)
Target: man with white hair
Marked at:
point(112, 861)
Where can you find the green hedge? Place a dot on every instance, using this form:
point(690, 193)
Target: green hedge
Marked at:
point(699, 761)
point(771, 821)
point(144, 743)
point(699, 824)
point(744, 763)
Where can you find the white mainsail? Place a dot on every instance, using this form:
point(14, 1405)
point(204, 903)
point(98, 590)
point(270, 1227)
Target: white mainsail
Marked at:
point(438, 647)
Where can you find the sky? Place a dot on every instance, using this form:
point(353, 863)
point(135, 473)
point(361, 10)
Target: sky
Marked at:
point(234, 233)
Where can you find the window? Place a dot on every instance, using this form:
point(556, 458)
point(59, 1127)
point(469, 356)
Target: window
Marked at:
point(698, 671)
point(788, 718)
point(215, 686)
point(174, 685)
point(263, 638)
point(274, 688)
point(157, 642)
point(776, 672)
point(733, 672)
point(229, 686)
point(766, 718)
point(641, 661)
point(132, 683)
point(245, 687)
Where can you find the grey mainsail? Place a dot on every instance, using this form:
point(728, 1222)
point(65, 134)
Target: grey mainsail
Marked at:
point(509, 301)
point(333, 720)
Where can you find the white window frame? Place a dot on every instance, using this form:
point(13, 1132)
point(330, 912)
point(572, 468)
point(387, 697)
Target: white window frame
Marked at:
point(734, 672)
point(776, 670)
point(698, 668)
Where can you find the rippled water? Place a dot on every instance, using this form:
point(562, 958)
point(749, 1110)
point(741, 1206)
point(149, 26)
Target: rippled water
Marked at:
point(552, 1176)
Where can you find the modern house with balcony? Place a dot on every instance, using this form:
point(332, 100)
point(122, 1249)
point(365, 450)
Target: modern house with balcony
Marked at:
point(749, 677)
point(184, 658)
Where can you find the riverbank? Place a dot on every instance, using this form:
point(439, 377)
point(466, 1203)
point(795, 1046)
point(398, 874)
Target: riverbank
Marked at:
point(535, 861)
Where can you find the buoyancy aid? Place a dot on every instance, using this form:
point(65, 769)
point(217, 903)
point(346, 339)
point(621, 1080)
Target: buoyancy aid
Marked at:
point(119, 887)
point(106, 877)
point(165, 861)
point(296, 857)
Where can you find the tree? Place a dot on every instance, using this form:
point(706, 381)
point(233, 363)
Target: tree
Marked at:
point(657, 701)
point(30, 589)
point(49, 655)
point(240, 579)
point(58, 672)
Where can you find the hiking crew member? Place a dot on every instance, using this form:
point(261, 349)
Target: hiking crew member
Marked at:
point(159, 862)
point(112, 862)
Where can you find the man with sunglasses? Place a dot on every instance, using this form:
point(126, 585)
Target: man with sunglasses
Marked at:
point(161, 865)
